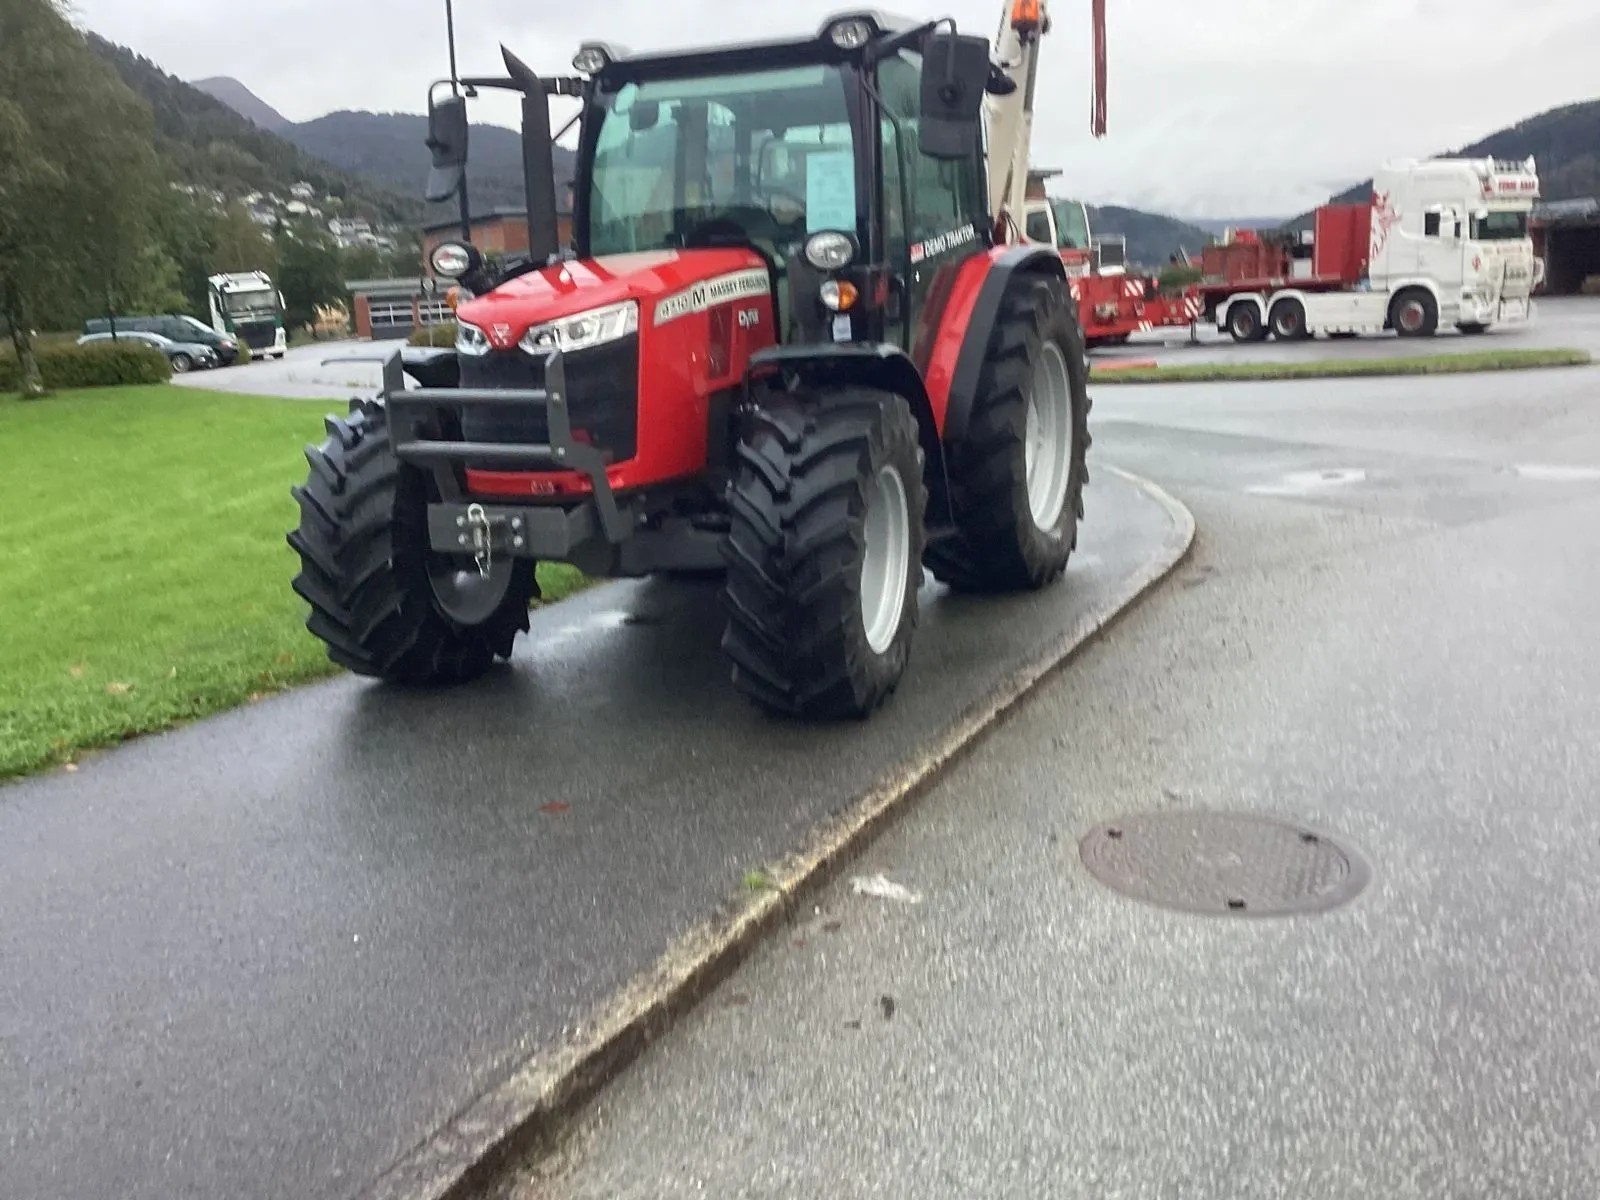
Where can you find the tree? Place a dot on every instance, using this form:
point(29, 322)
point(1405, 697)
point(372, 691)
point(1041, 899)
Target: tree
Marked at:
point(79, 178)
point(187, 233)
point(309, 271)
point(239, 244)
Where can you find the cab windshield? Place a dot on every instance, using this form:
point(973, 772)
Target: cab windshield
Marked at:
point(767, 155)
point(1072, 226)
point(242, 304)
point(1500, 227)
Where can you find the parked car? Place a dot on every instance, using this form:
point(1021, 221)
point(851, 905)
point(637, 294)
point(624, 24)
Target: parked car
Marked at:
point(184, 356)
point(180, 327)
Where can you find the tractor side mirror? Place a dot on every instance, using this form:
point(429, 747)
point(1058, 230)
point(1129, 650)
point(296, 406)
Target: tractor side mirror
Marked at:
point(955, 72)
point(447, 138)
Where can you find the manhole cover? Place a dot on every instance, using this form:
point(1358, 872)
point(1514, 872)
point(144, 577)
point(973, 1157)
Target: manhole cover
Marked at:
point(1227, 863)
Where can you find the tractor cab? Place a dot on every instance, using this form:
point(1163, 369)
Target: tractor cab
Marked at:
point(832, 158)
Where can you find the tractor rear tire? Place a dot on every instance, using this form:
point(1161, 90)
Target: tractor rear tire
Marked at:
point(1016, 528)
point(365, 558)
point(825, 551)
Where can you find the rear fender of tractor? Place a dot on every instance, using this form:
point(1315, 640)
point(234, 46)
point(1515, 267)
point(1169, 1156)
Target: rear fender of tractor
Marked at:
point(968, 321)
point(871, 365)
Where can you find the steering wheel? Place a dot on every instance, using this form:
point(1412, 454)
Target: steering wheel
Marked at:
point(774, 198)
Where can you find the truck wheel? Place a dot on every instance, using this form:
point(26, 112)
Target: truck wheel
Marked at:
point(378, 595)
point(1244, 323)
point(1288, 321)
point(1017, 477)
point(1414, 313)
point(824, 552)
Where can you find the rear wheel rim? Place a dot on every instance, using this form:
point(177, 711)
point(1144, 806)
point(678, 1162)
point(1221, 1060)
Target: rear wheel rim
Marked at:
point(885, 558)
point(1048, 436)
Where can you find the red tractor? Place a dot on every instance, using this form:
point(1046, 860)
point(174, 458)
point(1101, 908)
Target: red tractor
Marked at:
point(785, 344)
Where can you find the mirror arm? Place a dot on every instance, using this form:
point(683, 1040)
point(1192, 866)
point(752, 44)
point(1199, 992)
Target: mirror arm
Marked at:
point(566, 85)
point(883, 48)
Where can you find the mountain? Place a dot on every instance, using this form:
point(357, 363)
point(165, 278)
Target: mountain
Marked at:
point(1152, 238)
point(208, 145)
point(243, 101)
point(1220, 225)
point(391, 149)
point(1565, 141)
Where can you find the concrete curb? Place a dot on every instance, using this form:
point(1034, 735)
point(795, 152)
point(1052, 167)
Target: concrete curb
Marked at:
point(515, 1117)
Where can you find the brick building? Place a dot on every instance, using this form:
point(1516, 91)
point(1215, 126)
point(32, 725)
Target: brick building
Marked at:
point(394, 308)
point(499, 231)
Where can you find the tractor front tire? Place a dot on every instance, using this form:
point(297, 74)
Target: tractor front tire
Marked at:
point(1018, 473)
point(365, 565)
point(824, 552)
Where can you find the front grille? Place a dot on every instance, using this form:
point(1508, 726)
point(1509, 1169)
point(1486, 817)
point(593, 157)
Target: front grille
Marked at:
point(258, 335)
point(602, 398)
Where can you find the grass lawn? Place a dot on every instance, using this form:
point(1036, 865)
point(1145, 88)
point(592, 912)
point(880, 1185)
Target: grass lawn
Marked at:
point(1345, 368)
point(146, 577)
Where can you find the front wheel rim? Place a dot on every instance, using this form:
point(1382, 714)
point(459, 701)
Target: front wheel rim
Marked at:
point(1048, 438)
point(1411, 316)
point(885, 558)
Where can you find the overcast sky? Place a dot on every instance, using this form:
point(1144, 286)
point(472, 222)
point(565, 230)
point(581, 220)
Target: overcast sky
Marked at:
point(1242, 108)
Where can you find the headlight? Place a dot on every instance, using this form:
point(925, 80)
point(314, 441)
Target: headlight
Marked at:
point(583, 331)
point(451, 259)
point(830, 250)
point(471, 341)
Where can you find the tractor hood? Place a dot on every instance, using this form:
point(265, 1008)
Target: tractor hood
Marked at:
point(666, 283)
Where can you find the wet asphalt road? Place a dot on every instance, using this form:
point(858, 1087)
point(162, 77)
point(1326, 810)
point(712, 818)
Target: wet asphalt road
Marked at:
point(1559, 322)
point(1388, 629)
point(265, 955)
point(315, 371)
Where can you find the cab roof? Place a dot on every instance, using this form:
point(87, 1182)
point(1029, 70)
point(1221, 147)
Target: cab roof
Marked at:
point(778, 52)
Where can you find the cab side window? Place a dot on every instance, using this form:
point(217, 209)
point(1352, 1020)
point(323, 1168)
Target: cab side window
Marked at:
point(941, 196)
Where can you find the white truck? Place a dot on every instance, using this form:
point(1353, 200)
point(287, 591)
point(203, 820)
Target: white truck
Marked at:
point(1443, 242)
point(248, 306)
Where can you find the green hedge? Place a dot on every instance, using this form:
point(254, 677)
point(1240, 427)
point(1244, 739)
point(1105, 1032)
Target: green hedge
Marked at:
point(97, 365)
point(434, 335)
